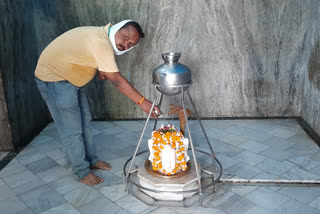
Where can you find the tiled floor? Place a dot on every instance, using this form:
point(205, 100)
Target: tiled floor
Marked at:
point(38, 179)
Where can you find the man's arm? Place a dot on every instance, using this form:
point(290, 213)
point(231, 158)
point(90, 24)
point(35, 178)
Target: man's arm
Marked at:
point(125, 87)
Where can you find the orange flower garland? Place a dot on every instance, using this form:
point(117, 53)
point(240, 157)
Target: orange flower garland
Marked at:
point(173, 138)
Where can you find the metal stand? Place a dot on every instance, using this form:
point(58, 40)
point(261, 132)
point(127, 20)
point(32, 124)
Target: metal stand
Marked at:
point(198, 171)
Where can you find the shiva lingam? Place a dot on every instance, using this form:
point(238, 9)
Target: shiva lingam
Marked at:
point(169, 149)
point(169, 173)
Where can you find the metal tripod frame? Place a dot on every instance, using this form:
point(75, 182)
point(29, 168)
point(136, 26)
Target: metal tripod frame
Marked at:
point(198, 171)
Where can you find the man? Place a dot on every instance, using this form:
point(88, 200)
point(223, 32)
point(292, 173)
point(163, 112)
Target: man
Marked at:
point(65, 66)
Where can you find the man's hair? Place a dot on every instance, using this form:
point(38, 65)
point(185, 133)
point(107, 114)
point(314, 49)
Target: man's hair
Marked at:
point(136, 26)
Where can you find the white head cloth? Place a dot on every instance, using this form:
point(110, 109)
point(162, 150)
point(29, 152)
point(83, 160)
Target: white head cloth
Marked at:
point(114, 29)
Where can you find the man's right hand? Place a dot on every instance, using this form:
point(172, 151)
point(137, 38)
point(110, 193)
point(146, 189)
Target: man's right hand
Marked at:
point(146, 106)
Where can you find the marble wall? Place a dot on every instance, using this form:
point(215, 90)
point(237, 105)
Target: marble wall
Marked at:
point(248, 57)
point(311, 97)
point(27, 113)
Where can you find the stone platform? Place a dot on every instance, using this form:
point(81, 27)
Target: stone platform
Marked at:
point(186, 182)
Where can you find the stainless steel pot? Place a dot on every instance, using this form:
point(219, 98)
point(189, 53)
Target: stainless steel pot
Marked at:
point(170, 76)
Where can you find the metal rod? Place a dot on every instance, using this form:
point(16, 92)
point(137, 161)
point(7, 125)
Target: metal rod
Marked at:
point(206, 136)
point(198, 117)
point(265, 181)
point(138, 145)
point(156, 120)
point(191, 143)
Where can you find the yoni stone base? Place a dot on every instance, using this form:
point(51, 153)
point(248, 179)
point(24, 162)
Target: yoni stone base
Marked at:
point(186, 182)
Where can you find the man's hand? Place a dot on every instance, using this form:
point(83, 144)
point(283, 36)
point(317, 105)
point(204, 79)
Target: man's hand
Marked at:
point(146, 106)
point(102, 76)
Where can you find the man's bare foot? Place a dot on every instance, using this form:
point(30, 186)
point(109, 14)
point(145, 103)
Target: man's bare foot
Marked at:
point(101, 165)
point(91, 180)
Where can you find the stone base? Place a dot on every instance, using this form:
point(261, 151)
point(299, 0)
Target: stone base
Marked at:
point(186, 182)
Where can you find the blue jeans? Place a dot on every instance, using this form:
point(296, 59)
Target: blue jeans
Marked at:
point(70, 111)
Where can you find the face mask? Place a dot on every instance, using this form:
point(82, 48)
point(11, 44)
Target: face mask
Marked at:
point(112, 32)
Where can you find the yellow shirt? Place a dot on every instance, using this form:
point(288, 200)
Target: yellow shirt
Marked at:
point(76, 55)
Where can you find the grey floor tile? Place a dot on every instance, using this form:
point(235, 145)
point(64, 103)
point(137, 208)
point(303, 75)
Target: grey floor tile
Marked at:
point(12, 205)
point(276, 154)
point(267, 198)
point(302, 194)
point(41, 139)
point(257, 210)
point(114, 192)
point(53, 174)
point(101, 125)
point(244, 170)
point(112, 130)
point(108, 177)
point(242, 190)
point(303, 149)
point(301, 138)
point(47, 147)
point(105, 154)
point(53, 133)
point(65, 208)
point(64, 162)
point(225, 160)
point(250, 158)
point(30, 157)
point(315, 156)
point(128, 202)
point(117, 164)
point(227, 149)
point(6, 192)
point(161, 210)
point(12, 168)
point(122, 211)
point(297, 173)
point(195, 210)
point(278, 143)
point(253, 146)
point(259, 136)
point(231, 203)
point(41, 165)
point(213, 132)
point(100, 205)
point(16, 179)
point(81, 196)
point(269, 176)
point(56, 154)
point(219, 124)
point(27, 187)
point(41, 199)
point(66, 184)
point(316, 170)
point(126, 123)
point(304, 162)
point(295, 207)
point(275, 167)
point(233, 139)
point(315, 203)
point(283, 133)
point(238, 130)
point(25, 211)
